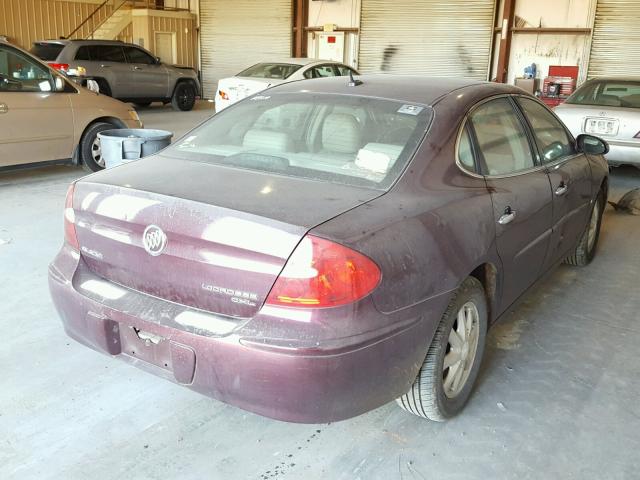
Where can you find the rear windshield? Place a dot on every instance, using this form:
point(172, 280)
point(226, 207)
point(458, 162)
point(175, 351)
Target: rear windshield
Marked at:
point(46, 51)
point(609, 93)
point(278, 71)
point(353, 140)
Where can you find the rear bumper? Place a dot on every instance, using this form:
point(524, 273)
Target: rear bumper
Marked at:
point(274, 379)
point(623, 154)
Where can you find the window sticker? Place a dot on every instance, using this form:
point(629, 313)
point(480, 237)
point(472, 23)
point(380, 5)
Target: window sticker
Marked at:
point(410, 109)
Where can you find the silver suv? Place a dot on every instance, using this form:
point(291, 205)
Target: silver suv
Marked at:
point(124, 71)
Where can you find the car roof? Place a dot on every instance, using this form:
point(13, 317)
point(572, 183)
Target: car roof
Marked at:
point(297, 61)
point(404, 88)
point(615, 79)
point(84, 42)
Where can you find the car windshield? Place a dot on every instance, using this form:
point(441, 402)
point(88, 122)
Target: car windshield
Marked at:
point(278, 71)
point(353, 140)
point(46, 51)
point(610, 93)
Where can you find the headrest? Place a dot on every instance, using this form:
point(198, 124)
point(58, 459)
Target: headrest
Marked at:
point(267, 140)
point(341, 133)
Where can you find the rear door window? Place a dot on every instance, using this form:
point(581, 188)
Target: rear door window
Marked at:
point(321, 71)
point(108, 53)
point(135, 55)
point(502, 139)
point(344, 70)
point(83, 54)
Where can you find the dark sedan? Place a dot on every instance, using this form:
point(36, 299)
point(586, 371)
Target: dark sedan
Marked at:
point(322, 248)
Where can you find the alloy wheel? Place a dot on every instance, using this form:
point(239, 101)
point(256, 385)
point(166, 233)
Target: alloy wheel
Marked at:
point(96, 152)
point(461, 350)
point(593, 226)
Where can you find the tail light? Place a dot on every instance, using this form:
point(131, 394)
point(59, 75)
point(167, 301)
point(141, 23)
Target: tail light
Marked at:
point(223, 95)
point(63, 67)
point(321, 273)
point(70, 220)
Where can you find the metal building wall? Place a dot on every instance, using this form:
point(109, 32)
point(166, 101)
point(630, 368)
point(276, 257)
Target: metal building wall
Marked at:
point(430, 37)
point(25, 21)
point(235, 34)
point(615, 46)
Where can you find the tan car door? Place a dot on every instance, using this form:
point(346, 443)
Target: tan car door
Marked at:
point(36, 123)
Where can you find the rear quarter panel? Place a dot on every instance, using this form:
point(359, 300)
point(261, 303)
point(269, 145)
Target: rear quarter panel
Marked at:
point(434, 227)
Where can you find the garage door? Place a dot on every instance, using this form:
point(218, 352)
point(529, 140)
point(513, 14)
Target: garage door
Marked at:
point(235, 34)
point(430, 37)
point(615, 47)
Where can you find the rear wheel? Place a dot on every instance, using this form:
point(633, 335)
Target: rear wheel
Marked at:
point(184, 97)
point(586, 249)
point(90, 151)
point(451, 366)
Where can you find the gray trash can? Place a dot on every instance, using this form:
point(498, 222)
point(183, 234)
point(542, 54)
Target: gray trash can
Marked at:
point(127, 144)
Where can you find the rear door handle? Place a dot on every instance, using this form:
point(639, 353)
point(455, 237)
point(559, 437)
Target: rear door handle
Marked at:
point(4, 108)
point(562, 189)
point(137, 68)
point(105, 66)
point(507, 217)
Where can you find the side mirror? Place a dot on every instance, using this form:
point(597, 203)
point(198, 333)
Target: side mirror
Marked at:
point(591, 145)
point(158, 61)
point(59, 84)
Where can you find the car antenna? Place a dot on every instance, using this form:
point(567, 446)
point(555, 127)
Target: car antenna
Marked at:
point(352, 81)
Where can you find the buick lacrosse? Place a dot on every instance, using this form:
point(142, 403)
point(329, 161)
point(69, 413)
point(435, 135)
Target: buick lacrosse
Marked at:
point(324, 247)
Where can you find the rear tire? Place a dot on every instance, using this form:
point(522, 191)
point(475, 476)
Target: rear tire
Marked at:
point(440, 392)
point(184, 97)
point(90, 152)
point(586, 248)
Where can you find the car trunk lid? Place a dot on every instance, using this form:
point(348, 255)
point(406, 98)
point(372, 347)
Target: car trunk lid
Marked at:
point(228, 232)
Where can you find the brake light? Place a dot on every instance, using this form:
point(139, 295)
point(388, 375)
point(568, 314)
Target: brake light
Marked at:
point(63, 67)
point(223, 95)
point(321, 273)
point(70, 220)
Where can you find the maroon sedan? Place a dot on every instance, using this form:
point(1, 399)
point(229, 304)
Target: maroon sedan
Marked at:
point(325, 247)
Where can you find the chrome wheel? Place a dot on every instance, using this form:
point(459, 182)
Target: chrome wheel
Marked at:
point(461, 349)
point(592, 233)
point(96, 152)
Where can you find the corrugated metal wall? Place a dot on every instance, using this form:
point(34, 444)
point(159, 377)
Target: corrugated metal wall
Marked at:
point(25, 21)
point(615, 46)
point(430, 37)
point(235, 34)
point(185, 30)
point(126, 35)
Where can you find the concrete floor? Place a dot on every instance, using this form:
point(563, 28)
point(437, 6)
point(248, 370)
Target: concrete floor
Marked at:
point(557, 397)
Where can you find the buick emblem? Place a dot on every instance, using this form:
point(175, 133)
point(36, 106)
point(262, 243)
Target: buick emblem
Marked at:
point(154, 240)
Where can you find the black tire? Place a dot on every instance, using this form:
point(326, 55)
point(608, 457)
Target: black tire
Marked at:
point(427, 397)
point(104, 87)
point(87, 146)
point(184, 97)
point(142, 104)
point(586, 250)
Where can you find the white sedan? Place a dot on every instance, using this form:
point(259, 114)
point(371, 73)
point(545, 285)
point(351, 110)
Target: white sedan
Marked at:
point(610, 109)
point(267, 74)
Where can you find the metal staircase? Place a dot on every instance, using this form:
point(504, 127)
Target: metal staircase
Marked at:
point(119, 17)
